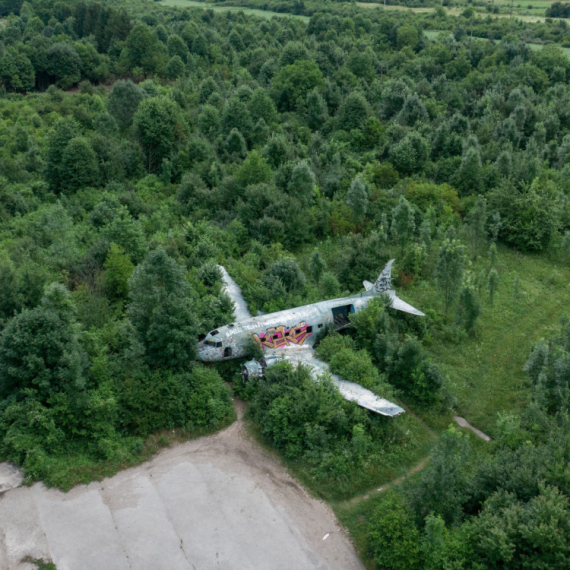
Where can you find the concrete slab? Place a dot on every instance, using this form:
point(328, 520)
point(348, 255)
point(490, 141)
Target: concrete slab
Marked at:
point(218, 502)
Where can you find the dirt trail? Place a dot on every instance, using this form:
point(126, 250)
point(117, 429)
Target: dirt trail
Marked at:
point(219, 501)
point(465, 424)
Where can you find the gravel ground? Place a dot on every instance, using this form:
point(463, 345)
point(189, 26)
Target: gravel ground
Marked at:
point(218, 502)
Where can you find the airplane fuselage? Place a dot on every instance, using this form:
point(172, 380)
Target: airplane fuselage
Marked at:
point(280, 331)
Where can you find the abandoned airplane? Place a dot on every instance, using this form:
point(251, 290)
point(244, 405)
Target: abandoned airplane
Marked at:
point(290, 335)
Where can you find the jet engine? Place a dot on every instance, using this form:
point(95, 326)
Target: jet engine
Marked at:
point(253, 369)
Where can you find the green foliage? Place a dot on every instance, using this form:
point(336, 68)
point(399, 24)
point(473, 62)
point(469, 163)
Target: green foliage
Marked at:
point(394, 539)
point(160, 129)
point(162, 312)
point(468, 308)
point(449, 269)
point(123, 101)
point(293, 82)
point(118, 269)
point(357, 198)
point(79, 166)
point(16, 71)
point(403, 222)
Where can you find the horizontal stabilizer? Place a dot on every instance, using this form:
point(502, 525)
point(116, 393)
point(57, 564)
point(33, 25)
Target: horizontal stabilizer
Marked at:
point(368, 285)
point(400, 305)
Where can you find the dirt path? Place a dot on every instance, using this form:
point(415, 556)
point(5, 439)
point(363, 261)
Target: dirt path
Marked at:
point(465, 424)
point(218, 502)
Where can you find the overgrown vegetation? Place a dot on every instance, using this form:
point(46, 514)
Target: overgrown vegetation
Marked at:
point(142, 145)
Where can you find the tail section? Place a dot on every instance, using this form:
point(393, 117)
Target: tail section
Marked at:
point(383, 285)
point(384, 281)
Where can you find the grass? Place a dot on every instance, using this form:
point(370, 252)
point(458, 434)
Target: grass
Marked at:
point(486, 370)
point(249, 11)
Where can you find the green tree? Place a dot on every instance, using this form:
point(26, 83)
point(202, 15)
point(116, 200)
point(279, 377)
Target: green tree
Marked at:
point(64, 130)
point(393, 538)
point(261, 106)
point(236, 116)
point(407, 36)
point(476, 224)
point(235, 144)
point(468, 308)
point(317, 111)
point(174, 67)
point(40, 348)
point(123, 101)
point(357, 198)
point(118, 269)
point(294, 82)
point(288, 271)
point(469, 173)
point(176, 46)
point(302, 183)
point(143, 49)
point(160, 128)
point(254, 170)
point(329, 285)
point(449, 269)
point(492, 284)
point(79, 167)
point(317, 265)
point(16, 71)
point(64, 64)
point(403, 223)
point(353, 111)
point(410, 154)
point(162, 312)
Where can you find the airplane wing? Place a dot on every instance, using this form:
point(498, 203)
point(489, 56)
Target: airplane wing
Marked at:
point(400, 305)
point(349, 390)
point(232, 290)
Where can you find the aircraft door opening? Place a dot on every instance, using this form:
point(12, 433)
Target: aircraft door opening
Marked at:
point(340, 316)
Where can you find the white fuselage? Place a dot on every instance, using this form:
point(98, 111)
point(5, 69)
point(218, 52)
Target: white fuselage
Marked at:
point(279, 331)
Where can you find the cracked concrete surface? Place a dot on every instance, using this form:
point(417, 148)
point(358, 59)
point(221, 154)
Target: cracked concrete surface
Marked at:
point(218, 502)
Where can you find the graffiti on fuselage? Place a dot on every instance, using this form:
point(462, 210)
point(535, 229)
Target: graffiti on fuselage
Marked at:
point(280, 337)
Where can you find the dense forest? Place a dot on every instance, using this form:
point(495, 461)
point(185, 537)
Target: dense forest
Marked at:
point(142, 145)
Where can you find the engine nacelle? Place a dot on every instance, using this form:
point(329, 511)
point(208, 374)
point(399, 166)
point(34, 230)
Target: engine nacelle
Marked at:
point(256, 368)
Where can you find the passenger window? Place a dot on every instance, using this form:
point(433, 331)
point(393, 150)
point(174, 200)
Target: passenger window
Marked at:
point(309, 329)
point(218, 345)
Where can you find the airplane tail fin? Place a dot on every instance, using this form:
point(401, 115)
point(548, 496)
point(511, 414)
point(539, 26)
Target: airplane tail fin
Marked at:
point(383, 285)
point(384, 281)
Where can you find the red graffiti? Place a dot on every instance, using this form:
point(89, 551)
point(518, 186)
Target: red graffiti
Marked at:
point(279, 337)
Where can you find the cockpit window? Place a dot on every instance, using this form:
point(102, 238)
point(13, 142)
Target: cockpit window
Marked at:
point(214, 333)
point(231, 326)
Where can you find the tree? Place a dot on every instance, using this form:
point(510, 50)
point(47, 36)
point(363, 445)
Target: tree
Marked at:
point(357, 198)
point(449, 269)
point(261, 106)
point(302, 183)
point(143, 49)
point(174, 67)
point(236, 116)
point(288, 271)
point(317, 111)
point(317, 265)
point(160, 128)
point(476, 223)
point(16, 71)
point(235, 145)
point(294, 82)
point(468, 308)
point(79, 167)
point(353, 111)
point(492, 284)
point(413, 111)
point(118, 269)
point(254, 170)
point(393, 539)
point(410, 153)
point(64, 64)
point(64, 130)
point(209, 121)
point(176, 46)
point(123, 101)
point(403, 223)
point(407, 36)
point(162, 312)
point(329, 285)
point(469, 173)
point(40, 349)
